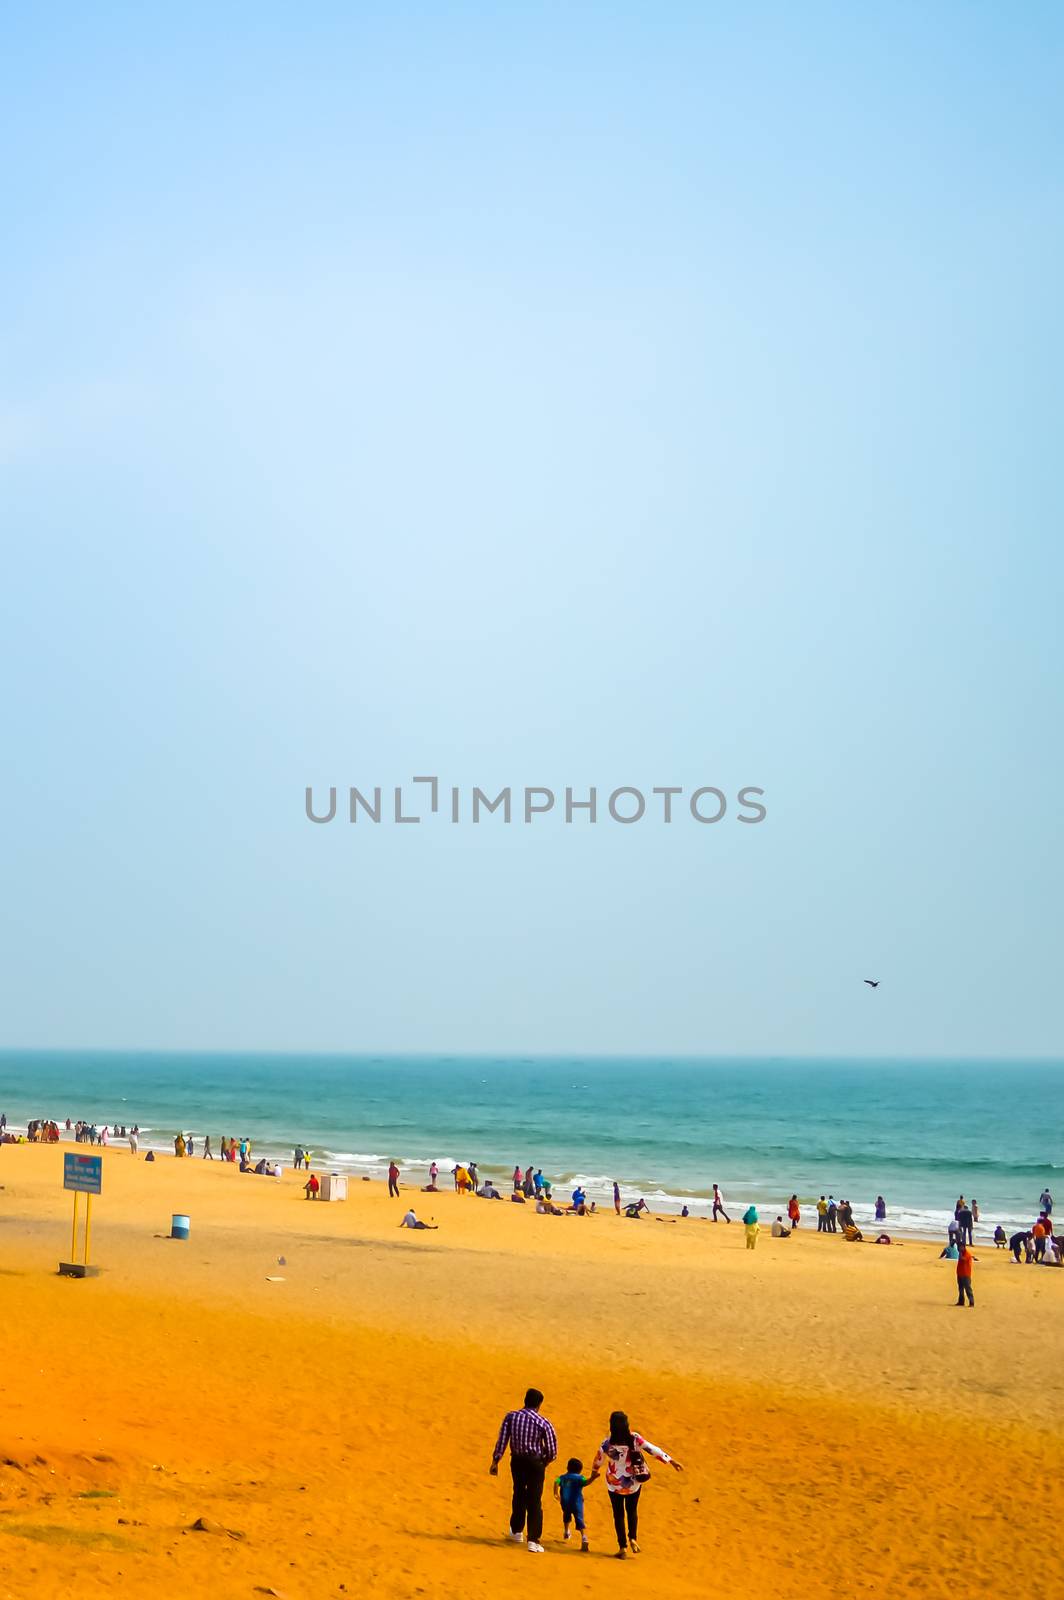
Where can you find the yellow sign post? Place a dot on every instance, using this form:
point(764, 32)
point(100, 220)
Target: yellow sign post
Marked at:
point(83, 1175)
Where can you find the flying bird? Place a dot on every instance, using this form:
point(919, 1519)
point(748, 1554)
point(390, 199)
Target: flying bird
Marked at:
point(873, 983)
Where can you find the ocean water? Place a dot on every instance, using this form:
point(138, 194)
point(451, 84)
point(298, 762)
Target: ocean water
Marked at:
point(919, 1133)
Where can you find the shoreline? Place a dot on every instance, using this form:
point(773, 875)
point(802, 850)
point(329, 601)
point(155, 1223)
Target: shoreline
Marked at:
point(916, 1223)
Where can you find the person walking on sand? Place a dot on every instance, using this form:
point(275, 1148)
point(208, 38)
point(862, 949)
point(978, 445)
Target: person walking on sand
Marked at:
point(623, 1454)
point(718, 1204)
point(207, 1152)
point(393, 1180)
point(533, 1446)
point(964, 1276)
point(569, 1489)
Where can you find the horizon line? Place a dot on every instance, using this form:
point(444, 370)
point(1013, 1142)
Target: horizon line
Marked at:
point(243, 1052)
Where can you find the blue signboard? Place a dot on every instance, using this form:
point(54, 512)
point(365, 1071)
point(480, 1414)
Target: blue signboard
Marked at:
point(83, 1174)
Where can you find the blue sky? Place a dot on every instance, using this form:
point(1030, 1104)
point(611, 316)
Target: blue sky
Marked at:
point(600, 395)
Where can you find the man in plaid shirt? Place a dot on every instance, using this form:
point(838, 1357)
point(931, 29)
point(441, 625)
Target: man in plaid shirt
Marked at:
point(533, 1446)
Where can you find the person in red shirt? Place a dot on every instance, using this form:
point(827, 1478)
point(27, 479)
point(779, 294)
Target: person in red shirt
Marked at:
point(964, 1276)
point(393, 1180)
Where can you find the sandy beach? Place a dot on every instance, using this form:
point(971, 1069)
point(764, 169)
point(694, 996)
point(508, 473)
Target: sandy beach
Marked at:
point(845, 1429)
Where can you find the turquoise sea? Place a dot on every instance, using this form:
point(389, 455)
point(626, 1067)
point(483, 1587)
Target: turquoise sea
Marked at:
point(917, 1132)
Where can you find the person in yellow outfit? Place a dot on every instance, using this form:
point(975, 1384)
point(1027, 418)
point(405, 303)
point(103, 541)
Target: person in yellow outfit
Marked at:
point(752, 1226)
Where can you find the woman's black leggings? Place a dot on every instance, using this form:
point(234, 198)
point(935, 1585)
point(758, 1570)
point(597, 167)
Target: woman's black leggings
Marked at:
point(625, 1505)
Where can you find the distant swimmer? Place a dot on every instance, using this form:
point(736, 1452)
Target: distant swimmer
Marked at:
point(873, 983)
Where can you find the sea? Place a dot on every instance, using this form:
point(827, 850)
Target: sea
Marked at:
point(919, 1133)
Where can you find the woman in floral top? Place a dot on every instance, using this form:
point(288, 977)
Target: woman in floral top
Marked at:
point(624, 1456)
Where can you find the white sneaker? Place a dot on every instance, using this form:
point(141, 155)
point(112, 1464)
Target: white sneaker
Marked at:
point(535, 1549)
point(518, 1538)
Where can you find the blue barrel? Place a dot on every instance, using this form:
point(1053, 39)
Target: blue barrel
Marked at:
point(180, 1227)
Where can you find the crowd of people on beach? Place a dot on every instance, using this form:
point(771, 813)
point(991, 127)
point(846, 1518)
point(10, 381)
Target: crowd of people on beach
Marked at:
point(1033, 1245)
point(533, 1445)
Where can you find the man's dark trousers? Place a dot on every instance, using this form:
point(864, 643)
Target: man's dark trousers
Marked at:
point(528, 1473)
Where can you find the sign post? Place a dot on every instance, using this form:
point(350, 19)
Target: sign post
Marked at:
point(82, 1175)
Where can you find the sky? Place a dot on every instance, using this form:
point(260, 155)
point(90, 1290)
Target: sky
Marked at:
point(537, 395)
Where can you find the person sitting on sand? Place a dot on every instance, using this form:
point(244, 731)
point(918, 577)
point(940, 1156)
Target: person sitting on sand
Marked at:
point(853, 1233)
point(311, 1187)
point(634, 1207)
point(410, 1221)
point(780, 1229)
point(950, 1251)
point(488, 1191)
point(1000, 1239)
point(546, 1209)
point(884, 1238)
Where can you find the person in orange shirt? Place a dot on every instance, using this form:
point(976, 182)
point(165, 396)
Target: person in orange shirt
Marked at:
point(1038, 1234)
point(964, 1276)
point(793, 1211)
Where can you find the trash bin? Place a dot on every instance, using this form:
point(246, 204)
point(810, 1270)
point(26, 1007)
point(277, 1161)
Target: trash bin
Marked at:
point(180, 1227)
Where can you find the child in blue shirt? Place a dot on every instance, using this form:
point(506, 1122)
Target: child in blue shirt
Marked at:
point(569, 1491)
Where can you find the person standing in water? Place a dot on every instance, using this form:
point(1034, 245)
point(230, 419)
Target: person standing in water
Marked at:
point(881, 1209)
point(718, 1204)
point(623, 1454)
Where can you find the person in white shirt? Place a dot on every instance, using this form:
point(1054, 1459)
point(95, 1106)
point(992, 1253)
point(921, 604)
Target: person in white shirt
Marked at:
point(410, 1221)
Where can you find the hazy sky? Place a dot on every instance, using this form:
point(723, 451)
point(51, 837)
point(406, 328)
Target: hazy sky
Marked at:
point(621, 394)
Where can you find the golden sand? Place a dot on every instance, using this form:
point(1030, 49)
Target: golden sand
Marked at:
point(845, 1429)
